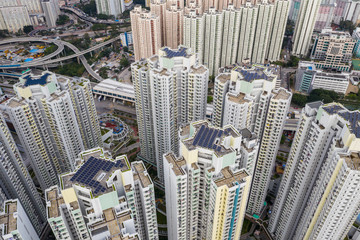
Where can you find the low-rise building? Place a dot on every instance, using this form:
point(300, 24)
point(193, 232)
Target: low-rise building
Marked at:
point(333, 50)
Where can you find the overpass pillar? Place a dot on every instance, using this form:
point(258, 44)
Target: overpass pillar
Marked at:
point(78, 60)
point(91, 54)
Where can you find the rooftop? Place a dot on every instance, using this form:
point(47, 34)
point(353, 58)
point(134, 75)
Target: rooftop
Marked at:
point(353, 160)
point(56, 200)
point(210, 138)
point(7, 218)
point(224, 77)
point(257, 72)
point(198, 69)
point(180, 52)
point(229, 178)
point(176, 163)
point(14, 103)
point(116, 87)
point(114, 223)
point(94, 173)
point(240, 98)
point(35, 80)
point(141, 174)
point(352, 117)
point(282, 94)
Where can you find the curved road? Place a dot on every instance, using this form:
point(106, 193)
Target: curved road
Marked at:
point(47, 59)
point(83, 16)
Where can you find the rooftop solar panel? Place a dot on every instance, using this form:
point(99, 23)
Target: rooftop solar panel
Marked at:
point(198, 135)
point(203, 135)
point(207, 138)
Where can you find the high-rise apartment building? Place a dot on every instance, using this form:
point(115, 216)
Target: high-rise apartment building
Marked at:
point(237, 94)
point(213, 39)
point(15, 180)
point(146, 28)
point(249, 31)
point(14, 18)
point(54, 118)
point(272, 112)
point(262, 32)
point(170, 90)
point(294, 10)
point(51, 10)
point(278, 27)
point(110, 7)
point(115, 197)
point(174, 20)
point(318, 195)
point(33, 6)
point(206, 188)
point(193, 32)
point(333, 50)
point(304, 27)
point(15, 223)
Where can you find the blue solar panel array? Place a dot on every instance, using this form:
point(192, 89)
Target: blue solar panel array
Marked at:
point(89, 170)
point(354, 119)
point(205, 137)
point(180, 53)
point(249, 76)
point(35, 81)
point(333, 109)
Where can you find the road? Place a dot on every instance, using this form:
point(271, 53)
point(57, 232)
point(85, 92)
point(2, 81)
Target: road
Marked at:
point(85, 17)
point(46, 60)
point(284, 75)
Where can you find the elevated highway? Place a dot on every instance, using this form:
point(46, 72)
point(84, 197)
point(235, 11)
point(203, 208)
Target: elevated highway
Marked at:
point(48, 59)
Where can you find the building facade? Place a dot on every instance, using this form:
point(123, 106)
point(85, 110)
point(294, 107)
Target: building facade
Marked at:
point(206, 188)
point(333, 50)
point(146, 29)
point(317, 198)
point(15, 223)
point(272, 110)
point(170, 90)
point(110, 7)
point(56, 110)
point(116, 198)
point(304, 27)
point(51, 10)
point(14, 18)
point(237, 94)
point(15, 180)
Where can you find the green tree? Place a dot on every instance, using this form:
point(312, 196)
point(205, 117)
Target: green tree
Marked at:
point(27, 29)
point(4, 33)
point(89, 9)
point(71, 69)
point(299, 99)
point(103, 16)
point(103, 72)
point(50, 49)
point(126, 49)
point(124, 62)
point(347, 26)
point(62, 20)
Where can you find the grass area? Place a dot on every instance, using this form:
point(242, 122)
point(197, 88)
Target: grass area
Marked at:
point(161, 218)
point(104, 131)
point(107, 141)
point(246, 226)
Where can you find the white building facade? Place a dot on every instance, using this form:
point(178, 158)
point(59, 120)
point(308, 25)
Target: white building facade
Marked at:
point(317, 198)
point(206, 189)
point(170, 89)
